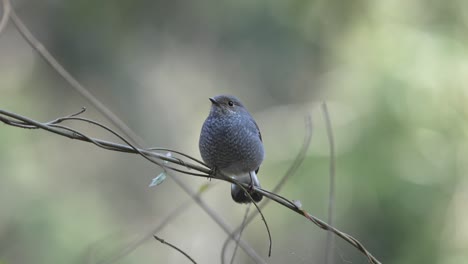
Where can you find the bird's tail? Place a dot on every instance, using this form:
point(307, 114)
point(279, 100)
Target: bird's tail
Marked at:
point(239, 195)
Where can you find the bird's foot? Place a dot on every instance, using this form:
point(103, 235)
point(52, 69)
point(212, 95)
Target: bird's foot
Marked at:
point(213, 173)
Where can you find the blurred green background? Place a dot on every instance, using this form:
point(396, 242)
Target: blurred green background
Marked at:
point(393, 72)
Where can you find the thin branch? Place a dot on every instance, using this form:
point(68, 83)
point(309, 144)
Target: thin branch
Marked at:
point(134, 147)
point(243, 224)
point(180, 153)
point(124, 148)
point(131, 149)
point(222, 223)
point(6, 7)
point(244, 188)
point(299, 159)
point(36, 45)
point(291, 171)
point(147, 235)
point(51, 127)
point(174, 247)
point(331, 195)
point(179, 161)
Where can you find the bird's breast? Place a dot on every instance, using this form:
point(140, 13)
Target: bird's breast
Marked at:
point(231, 145)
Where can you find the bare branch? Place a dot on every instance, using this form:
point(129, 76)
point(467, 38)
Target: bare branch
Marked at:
point(291, 171)
point(147, 235)
point(174, 247)
point(244, 188)
point(150, 155)
point(221, 222)
point(36, 45)
point(239, 235)
point(186, 164)
point(19, 121)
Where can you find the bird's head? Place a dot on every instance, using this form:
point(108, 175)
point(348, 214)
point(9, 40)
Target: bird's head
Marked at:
point(226, 105)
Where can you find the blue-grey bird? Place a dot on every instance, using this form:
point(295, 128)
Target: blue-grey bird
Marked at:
point(230, 142)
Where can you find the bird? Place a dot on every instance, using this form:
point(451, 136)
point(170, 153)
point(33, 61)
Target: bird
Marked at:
point(231, 143)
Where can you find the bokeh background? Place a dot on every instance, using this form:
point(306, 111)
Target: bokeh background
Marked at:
point(394, 74)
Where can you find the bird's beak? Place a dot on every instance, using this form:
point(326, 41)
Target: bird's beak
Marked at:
point(213, 101)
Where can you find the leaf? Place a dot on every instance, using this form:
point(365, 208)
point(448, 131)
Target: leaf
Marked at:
point(158, 179)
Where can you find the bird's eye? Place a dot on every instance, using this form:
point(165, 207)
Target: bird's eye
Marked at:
point(230, 103)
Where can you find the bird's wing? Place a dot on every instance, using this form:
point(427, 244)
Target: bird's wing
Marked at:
point(258, 130)
point(260, 136)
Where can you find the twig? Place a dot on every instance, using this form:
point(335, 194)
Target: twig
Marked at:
point(174, 247)
point(222, 223)
point(291, 171)
point(239, 235)
point(73, 134)
point(331, 195)
point(45, 54)
point(232, 180)
point(68, 132)
point(5, 15)
point(168, 218)
point(179, 161)
point(133, 245)
point(300, 155)
point(36, 45)
point(124, 148)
